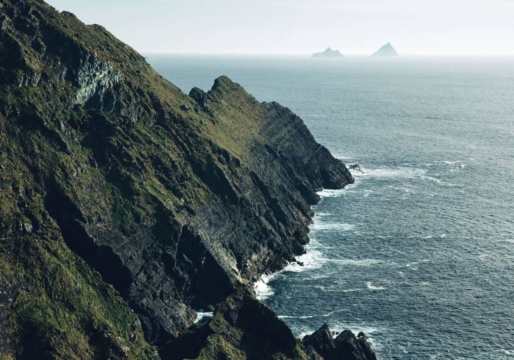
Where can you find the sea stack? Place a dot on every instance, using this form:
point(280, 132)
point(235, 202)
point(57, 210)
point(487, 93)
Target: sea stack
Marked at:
point(328, 53)
point(386, 51)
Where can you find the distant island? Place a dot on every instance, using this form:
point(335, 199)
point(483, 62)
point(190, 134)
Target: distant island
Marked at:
point(386, 51)
point(329, 53)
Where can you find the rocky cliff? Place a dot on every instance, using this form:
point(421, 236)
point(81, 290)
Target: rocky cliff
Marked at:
point(127, 205)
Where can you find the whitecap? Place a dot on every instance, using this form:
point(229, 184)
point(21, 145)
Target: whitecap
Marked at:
point(432, 179)
point(437, 181)
point(367, 192)
point(331, 226)
point(331, 193)
point(400, 172)
point(351, 290)
point(343, 157)
point(296, 317)
point(311, 316)
point(352, 262)
point(372, 287)
point(443, 236)
point(321, 214)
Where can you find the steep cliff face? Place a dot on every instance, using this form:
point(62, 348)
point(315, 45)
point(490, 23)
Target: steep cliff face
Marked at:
point(122, 196)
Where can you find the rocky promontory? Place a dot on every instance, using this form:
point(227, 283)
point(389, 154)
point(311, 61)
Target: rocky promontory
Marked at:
point(127, 205)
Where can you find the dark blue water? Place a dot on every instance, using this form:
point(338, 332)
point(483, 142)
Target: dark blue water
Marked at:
point(419, 252)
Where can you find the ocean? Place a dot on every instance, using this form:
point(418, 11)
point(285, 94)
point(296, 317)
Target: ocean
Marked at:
point(419, 252)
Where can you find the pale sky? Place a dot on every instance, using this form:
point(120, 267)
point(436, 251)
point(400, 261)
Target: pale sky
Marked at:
point(414, 27)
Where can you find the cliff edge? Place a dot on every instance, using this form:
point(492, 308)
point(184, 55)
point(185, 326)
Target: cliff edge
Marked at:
point(127, 205)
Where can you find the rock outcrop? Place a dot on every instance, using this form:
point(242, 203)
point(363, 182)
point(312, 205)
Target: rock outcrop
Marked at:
point(126, 204)
point(345, 346)
point(241, 328)
point(386, 51)
point(328, 53)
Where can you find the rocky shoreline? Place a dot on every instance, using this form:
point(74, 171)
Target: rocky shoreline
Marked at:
point(127, 204)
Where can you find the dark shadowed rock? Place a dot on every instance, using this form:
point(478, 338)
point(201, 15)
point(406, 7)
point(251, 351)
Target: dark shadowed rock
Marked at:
point(344, 347)
point(243, 328)
point(321, 340)
point(199, 96)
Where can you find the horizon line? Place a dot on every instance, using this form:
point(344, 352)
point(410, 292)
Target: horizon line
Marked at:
point(344, 55)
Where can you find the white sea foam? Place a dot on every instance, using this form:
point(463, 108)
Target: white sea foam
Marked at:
point(351, 290)
point(313, 259)
point(201, 315)
point(432, 179)
point(262, 290)
point(311, 316)
point(367, 192)
point(437, 181)
point(374, 288)
point(400, 172)
point(296, 317)
point(343, 157)
point(352, 262)
point(331, 193)
point(321, 215)
point(443, 236)
point(331, 226)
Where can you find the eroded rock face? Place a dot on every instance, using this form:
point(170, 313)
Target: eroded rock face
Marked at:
point(172, 199)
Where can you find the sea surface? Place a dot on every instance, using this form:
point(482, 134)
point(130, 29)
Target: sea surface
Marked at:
point(419, 252)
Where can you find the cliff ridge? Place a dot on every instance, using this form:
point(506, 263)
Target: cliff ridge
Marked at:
point(127, 205)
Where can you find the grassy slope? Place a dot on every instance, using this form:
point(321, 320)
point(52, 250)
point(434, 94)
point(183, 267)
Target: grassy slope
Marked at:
point(60, 308)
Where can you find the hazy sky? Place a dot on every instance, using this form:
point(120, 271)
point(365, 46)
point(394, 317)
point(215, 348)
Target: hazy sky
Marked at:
point(304, 26)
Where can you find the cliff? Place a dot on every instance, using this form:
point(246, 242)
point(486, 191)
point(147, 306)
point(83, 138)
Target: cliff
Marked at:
point(126, 204)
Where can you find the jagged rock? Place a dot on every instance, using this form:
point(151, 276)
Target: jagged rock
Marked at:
point(321, 340)
point(344, 347)
point(199, 96)
point(242, 327)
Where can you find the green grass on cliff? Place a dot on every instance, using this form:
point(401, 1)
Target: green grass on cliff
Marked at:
point(118, 172)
